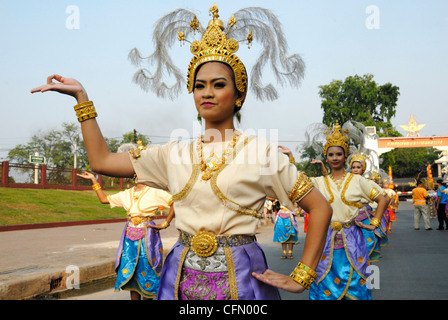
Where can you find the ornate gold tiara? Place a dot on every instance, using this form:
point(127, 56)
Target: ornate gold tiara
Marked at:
point(215, 46)
point(218, 44)
point(337, 138)
point(360, 157)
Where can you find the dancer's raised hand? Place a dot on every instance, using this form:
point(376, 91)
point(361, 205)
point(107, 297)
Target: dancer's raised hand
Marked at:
point(63, 85)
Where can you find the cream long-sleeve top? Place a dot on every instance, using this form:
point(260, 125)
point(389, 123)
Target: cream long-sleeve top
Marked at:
point(144, 203)
point(232, 201)
point(348, 199)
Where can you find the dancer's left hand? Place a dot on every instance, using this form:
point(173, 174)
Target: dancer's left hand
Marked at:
point(365, 226)
point(279, 280)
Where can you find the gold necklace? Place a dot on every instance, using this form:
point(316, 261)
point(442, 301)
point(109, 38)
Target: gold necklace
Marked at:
point(137, 194)
point(339, 181)
point(212, 163)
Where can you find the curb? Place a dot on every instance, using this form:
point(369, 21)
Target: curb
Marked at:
point(53, 281)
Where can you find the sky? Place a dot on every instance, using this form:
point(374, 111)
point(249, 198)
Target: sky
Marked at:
point(404, 42)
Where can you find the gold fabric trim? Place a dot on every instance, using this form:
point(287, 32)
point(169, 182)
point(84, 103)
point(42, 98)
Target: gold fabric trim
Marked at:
point(231, 273)
point(179, 272)
point(232, 205)
point(194, 176)
point(353, 204)
point(327, 184)
point(344, 189)
point(330, 261)
point(301, 188)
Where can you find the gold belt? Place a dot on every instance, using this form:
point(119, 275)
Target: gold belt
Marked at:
point(205, 243)
point(137, 220)
point(337, 225)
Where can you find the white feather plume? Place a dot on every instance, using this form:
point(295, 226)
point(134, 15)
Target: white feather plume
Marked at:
point(266, 30)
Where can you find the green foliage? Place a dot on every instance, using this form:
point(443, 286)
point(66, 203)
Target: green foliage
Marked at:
point(408, 162)
point(58, 147)
point(312, 170)
point(360, 99)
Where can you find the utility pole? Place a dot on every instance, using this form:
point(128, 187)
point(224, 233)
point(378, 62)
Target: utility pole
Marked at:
point(75, 159)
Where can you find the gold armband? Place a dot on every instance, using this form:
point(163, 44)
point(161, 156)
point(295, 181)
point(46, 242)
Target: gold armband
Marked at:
point(301, 188)
point(375, 222)
point(303, 275)
point(85, 111)
point(96, 186)
point(373, 193)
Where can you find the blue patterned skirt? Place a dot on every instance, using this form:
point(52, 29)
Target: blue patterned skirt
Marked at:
point(139, 261)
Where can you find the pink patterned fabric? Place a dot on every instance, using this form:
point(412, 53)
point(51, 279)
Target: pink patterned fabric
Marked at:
point(197, 285)
point(135, 233)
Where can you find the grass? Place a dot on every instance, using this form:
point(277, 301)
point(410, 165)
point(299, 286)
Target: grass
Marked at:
point(23, 206)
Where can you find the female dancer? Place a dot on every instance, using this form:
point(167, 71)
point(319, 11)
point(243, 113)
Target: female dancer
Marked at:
point(140, 252)
point(373, 237)
point(217, 199)
point(342, 269)
point(286, 230)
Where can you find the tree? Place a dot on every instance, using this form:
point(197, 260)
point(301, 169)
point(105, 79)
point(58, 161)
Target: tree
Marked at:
point(360, 99)
point(307, 154)
point(57, 146)
point(408, 162)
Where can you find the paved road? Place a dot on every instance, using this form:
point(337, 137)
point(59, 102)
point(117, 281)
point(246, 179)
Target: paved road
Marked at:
point(413, 266)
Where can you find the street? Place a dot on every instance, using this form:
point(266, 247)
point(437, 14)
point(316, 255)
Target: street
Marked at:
point(413, 266)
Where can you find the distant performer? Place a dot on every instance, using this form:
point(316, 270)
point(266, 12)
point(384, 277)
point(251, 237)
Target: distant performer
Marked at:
point(286, 230)
point(140, 252)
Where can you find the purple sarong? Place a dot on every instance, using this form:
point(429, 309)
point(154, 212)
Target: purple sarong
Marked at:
point(244, 260)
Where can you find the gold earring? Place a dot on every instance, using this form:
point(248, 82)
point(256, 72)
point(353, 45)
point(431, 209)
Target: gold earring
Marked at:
point(238, 103)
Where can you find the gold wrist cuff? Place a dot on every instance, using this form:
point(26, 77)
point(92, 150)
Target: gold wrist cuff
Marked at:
point(303, 275)
point(375, 222)
point(85, 111)
point(292, 160)
point(165, 224)
point(96, 187)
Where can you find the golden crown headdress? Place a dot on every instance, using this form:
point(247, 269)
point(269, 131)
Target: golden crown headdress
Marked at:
point(359, 157)
point(375, 176)
point(336, 138)
point(218, 44)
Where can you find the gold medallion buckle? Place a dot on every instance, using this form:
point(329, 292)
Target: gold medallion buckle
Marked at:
point(136, 220)
point(204, 243)
point(336, 225)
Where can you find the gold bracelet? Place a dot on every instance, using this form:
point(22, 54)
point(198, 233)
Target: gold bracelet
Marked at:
point(303, 275)
point(375, 222)
point(85, 111)
point(292, 160)
point(165, 224)
point(96, 187)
